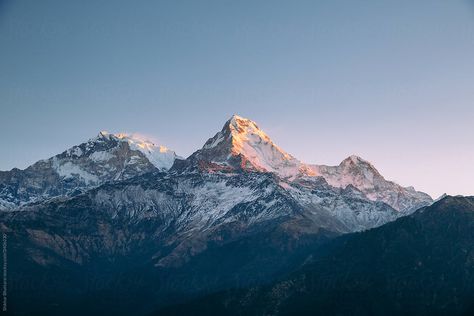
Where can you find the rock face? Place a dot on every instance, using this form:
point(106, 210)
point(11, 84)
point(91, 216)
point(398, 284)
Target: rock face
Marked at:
point(422, 264)
point(106, 157)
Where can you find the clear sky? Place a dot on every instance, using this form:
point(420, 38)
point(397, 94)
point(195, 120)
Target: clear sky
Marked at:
point(391, 81)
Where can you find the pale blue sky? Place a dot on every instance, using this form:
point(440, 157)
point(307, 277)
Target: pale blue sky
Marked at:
point(391, 81)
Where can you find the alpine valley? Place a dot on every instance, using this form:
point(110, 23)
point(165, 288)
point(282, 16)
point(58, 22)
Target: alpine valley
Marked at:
point(120, 226)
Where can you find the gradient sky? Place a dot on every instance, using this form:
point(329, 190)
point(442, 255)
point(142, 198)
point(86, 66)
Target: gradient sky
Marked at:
point(391, 81)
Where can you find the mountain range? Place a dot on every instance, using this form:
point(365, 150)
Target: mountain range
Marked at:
point(107, 157)
point(119, 225)
point(239, 146)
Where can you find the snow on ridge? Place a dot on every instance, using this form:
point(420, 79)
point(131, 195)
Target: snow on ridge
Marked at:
point(219, 138)
point(248, 140)
point(69, 170)
point(160, 156)
point(362, 175)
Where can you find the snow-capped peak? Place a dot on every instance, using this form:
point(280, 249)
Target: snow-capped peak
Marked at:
point(249, 140)
point(106, 157)
point(351, 171)
point(354, 159)
point(362, 175)
point(160, 156)
point(241, 144)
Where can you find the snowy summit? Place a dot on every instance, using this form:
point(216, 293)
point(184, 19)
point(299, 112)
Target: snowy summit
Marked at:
point(241, 144)
point(160, 156)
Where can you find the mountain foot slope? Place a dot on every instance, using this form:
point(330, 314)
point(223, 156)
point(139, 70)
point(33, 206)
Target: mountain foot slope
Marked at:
point(421, 264)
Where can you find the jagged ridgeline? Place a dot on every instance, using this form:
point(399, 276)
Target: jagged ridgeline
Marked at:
point(121, 225)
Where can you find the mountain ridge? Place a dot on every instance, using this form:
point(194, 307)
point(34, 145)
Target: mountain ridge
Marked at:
point(420, 264)
point(242, 146)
